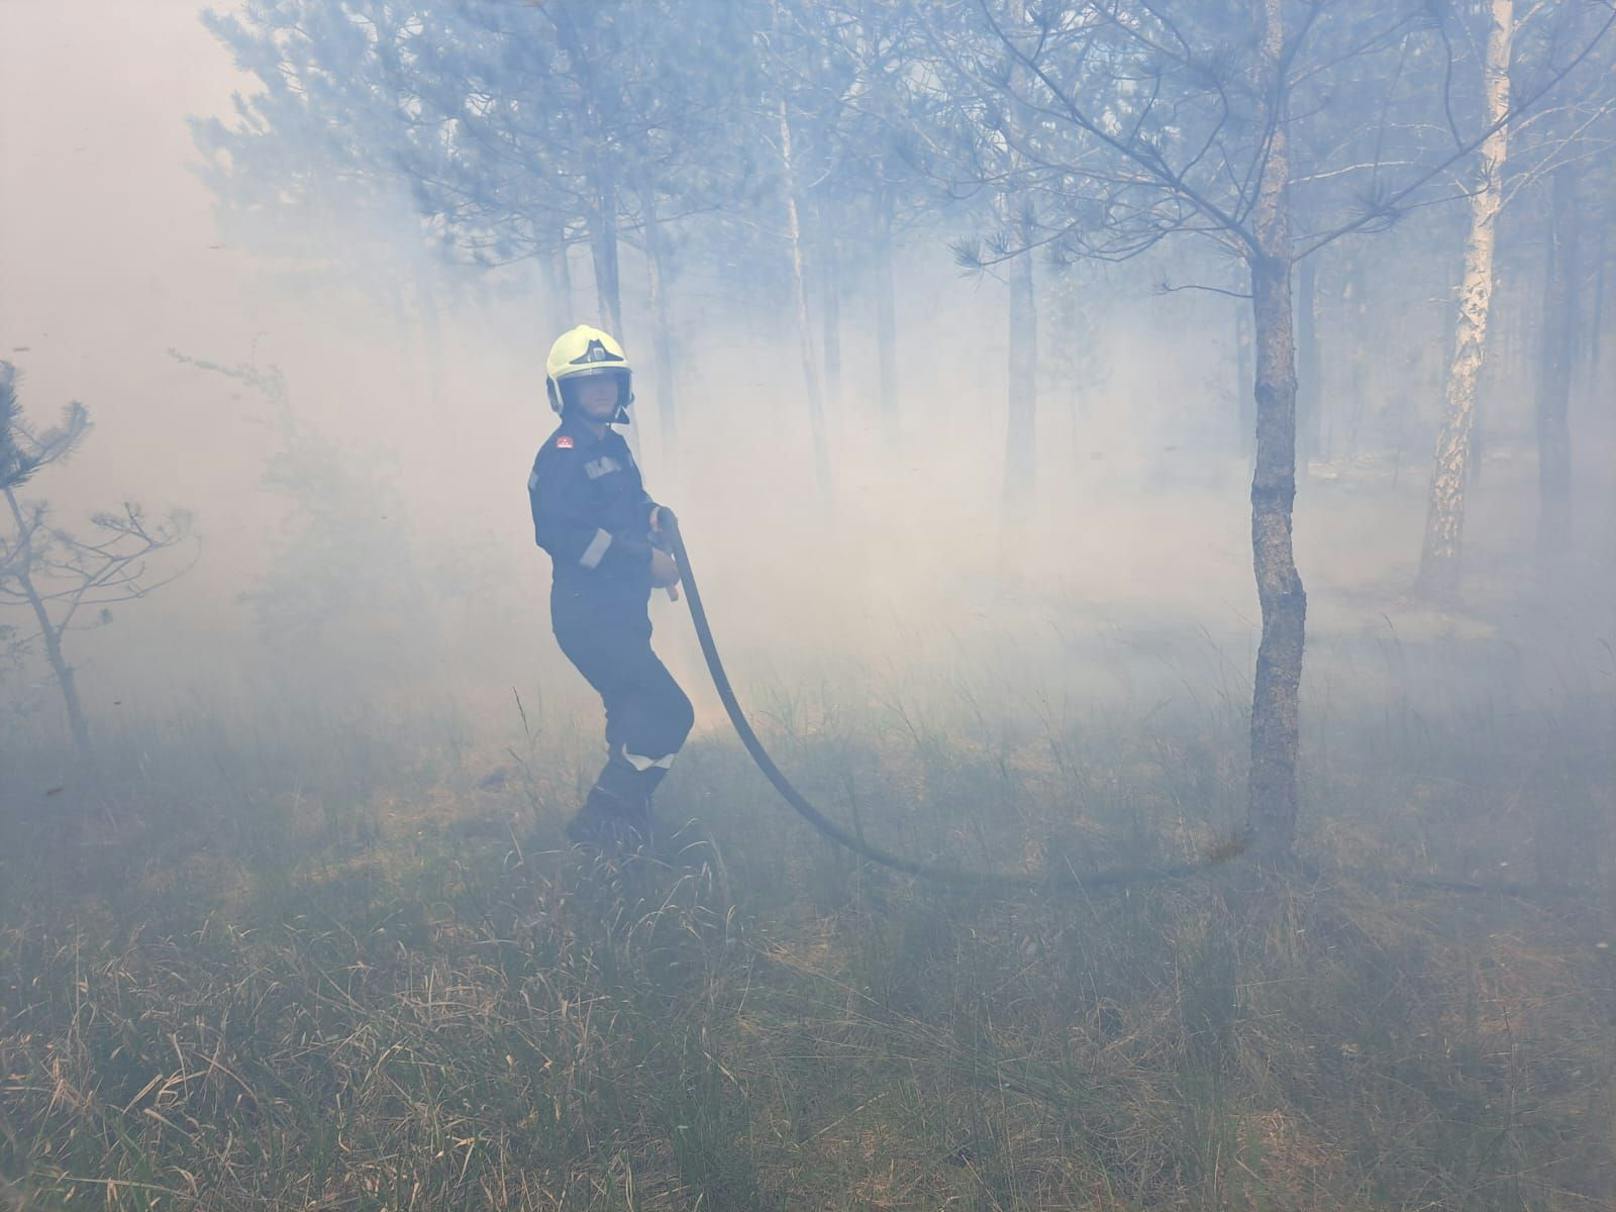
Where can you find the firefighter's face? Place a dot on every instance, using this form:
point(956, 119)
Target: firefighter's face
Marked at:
point(596, 397)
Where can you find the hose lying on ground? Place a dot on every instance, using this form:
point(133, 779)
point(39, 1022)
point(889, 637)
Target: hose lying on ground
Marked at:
point(1222, 852)
point(932, 872)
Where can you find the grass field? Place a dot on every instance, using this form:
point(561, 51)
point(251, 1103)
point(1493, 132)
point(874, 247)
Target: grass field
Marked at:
point(342, 963)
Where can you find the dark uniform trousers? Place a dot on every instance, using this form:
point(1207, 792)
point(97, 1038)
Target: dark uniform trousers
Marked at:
point(592, 514)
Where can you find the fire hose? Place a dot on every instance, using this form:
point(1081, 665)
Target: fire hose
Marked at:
point(932, 872)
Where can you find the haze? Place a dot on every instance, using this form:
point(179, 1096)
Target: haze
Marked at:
point(337, 692)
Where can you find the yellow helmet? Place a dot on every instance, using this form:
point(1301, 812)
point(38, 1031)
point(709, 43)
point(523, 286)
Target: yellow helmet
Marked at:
point(584, 351)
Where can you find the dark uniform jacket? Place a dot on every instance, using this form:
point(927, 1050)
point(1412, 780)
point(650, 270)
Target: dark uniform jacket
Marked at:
point(592, 514)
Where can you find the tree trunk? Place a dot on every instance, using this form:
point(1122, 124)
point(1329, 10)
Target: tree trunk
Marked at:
point(1445, 512)
point(608, 282)
point(805, 330)
point(1309, 401)
point(830, 294)
point(1356, 344)
point(1246, 412)
point(603, 250)
point(1021, 434)
point(77, 725)
point(1596, 309)
point(1560, 331)
point(556, 272)
point(1275, 707)
point(886, 325)
point(661, 330)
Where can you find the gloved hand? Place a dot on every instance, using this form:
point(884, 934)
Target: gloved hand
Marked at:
point(664, 568)
point(664, 571)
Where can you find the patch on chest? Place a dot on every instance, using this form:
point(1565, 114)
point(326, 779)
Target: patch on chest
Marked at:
point(604, 465)
point(563, 443)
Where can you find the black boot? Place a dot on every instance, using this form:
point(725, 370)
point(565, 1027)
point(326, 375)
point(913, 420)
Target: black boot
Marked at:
point(609, 821)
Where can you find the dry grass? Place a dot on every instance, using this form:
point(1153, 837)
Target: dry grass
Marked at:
point(387, 999)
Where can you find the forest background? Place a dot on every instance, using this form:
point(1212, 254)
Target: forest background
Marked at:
point(980, 347)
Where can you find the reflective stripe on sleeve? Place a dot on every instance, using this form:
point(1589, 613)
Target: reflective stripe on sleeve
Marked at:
point(596, 551)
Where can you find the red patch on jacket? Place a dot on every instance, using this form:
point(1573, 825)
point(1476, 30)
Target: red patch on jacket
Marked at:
point(563, 443)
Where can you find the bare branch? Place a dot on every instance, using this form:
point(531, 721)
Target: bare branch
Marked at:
point(1168, 288)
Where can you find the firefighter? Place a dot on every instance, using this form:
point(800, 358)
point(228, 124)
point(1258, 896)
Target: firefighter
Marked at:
point(591, 513)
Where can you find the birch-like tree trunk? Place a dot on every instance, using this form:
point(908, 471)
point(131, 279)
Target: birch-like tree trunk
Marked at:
point(1445, 511)
point(1275, 708)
